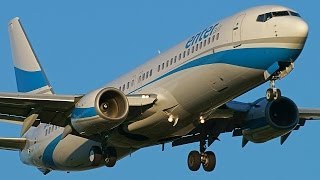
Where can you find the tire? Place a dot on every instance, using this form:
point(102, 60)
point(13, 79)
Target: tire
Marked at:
point(278, 94)
point(270, 95)
point(194, 161)
point(95, 156)
point(210, 161)
point(110, 157)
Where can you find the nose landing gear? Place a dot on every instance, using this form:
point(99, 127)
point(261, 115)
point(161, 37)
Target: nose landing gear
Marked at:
point(273, 93)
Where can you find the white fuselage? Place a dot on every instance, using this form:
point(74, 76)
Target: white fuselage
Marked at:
point(198, 75)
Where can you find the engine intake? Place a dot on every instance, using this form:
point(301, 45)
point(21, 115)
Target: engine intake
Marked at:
point(268, 120)
point(282, 113)
point(111, 104)
point(100, 111)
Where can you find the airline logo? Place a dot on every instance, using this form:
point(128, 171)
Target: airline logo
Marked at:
point(202, 35)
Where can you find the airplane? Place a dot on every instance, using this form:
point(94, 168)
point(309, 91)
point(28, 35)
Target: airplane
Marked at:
point(181, 96)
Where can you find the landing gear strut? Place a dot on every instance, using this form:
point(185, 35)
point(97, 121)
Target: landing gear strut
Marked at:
point(206, 158)
point(273, 93)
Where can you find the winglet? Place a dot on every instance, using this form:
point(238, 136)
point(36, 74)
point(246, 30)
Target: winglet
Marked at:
point(30, 76)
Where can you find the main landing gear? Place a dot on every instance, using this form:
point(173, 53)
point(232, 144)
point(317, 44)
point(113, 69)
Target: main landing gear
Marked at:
point(206, 158)
point(109, 155)
point(273, 93)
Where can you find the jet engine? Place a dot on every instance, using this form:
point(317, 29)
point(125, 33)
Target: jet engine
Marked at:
point(100, 111)
point(268, 120)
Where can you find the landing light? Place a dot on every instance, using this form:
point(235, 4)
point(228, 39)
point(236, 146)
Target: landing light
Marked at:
point(202, 120)
point(145, 96)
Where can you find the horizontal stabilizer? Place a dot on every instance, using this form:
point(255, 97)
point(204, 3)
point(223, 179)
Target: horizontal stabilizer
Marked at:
point(14, 144)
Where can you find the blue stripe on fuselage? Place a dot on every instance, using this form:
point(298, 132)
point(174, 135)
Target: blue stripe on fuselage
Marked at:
point(47, 158)
point(255, 58)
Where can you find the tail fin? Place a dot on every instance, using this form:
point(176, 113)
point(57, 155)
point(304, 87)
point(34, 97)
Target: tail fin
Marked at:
point(30, 76)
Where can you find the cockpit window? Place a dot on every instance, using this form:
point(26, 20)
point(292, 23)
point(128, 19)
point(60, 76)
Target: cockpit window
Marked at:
point(261, 18)
point(280, 13)
point(265, 17)
point(294, 14)
point(268, 16)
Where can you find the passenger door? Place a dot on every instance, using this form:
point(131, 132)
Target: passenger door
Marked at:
point(236, 35)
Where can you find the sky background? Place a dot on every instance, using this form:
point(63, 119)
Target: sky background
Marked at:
point(82, 45)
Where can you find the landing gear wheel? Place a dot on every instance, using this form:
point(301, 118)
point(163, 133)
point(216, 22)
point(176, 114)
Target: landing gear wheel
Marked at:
point(95, 156)
point(273, 94)
point(209, 161)
point(110, 157)
point(270, 94)
point(278, 92)
point(194, 160)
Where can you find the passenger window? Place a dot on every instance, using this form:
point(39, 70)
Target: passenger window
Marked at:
point(143, 76)
point(184, 54)
point(150, 72)
point(158, 68)
point(120, 88)
point(171, 61)
point(162, 66)
point(200, 45)
point(213, 37)
point(204, 43)
point(209, 41)
point(179, 56)
point(167, 64)
point(46, 132)
point(123, 87)
point(147, 75)
point(139, 79)
point(128, 84)
point(218, 36)
point(188, 52)
point(192, 49)
point(175, 58)
point(197, 47)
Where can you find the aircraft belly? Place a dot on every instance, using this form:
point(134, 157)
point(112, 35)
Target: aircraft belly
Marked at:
point(186, 94)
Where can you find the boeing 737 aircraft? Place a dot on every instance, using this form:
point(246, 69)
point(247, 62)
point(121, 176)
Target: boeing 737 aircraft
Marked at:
point(181, 96)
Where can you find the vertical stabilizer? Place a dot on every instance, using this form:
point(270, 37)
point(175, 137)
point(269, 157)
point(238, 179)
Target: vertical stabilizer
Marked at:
point(30, 77)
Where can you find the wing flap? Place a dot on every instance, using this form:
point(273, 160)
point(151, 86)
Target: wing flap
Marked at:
point(14, 144)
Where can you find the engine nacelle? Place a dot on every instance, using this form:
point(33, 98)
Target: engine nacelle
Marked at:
point(99, 111)
point(268, 120)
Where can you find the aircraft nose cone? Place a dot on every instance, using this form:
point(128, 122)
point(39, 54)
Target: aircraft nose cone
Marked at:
point(301, 28)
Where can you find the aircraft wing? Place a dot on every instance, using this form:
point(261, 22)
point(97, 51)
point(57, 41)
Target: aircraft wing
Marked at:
point(15, 144)
point(309, 114)
point(55, 109)
point(229, 118)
